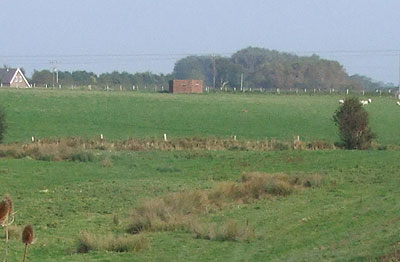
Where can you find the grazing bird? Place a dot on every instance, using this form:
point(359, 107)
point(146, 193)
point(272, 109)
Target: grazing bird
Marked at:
point(341, 101)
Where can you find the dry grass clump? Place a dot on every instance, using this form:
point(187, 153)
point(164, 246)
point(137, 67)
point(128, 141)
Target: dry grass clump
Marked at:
point(47, 151)
point(230, 231)
point(14, 232)
point(177, 210)
point(88, 242)
point(76, 148)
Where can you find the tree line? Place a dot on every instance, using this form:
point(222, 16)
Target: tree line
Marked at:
point(250, 67)
point(83, 78)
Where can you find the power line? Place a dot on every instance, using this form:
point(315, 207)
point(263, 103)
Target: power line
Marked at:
point(147, 55)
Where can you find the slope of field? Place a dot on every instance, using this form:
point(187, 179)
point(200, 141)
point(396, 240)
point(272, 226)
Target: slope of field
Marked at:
point(353, 216)
point(119, 115)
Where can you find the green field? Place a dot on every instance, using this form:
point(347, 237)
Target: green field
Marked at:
point(353, 216)
point(119, 115)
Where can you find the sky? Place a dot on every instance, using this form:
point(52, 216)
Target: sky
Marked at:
point(151, 35)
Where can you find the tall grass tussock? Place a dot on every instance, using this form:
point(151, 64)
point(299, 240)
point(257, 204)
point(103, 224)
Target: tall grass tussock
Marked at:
point(179, 210)
point(88, 242)
point(229, 231)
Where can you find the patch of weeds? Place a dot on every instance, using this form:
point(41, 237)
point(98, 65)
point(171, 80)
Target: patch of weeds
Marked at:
point(176, 211)
point(229, 231)
point(88, 242)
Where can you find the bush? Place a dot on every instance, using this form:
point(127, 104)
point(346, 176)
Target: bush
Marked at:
point(352, 120)
point(3, 124)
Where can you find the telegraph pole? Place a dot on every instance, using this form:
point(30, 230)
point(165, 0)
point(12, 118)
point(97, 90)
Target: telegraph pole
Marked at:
point(241, 82)
point(55, 72)
point(398, 94)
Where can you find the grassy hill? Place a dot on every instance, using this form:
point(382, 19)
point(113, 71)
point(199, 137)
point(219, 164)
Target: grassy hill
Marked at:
point(352, 215)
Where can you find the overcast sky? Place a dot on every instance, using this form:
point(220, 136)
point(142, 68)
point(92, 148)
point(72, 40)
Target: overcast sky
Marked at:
point(150, 35)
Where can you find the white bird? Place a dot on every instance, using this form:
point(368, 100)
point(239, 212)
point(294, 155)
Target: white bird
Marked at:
point(369, 100)
point(363, 102)
point(341, 101)
point(101, 136)
point(398, 103)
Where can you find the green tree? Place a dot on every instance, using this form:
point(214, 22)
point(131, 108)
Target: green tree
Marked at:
point(352, 120)
point(42, 77)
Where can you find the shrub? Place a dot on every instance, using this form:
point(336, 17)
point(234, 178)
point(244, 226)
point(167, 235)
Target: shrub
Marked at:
point(352, 121)
point(3, 124)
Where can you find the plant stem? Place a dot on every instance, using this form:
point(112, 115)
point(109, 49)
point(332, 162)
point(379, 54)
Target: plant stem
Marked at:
point(25, 251)
point(6, 254)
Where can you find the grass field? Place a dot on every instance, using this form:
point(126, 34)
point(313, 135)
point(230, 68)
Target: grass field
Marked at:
point(119, 115)
point(352, 216)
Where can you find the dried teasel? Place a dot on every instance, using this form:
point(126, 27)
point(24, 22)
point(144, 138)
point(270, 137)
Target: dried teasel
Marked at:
point(27, 235)
point(27, 238)
point(4, 211)
point(10, 203)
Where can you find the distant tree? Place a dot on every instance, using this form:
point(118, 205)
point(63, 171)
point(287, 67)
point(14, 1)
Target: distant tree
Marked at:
point(370, 84)
point(83, 78)
point(42, 77)
point(3, 124)
point(352, 120)
point(195, 67)
point(269, 69)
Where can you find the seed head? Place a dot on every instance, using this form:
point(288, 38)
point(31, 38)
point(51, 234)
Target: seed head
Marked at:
point(4, 211)
point(10, 203)
point(27, 235)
